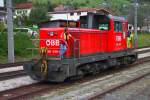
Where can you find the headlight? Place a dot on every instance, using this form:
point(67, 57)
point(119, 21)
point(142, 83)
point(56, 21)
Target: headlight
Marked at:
point(51, 33)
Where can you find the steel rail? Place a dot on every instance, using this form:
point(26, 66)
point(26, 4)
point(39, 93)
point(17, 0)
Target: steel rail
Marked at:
point(102, 94)
point(7, 65)
point(13, 74)
point(143, 51)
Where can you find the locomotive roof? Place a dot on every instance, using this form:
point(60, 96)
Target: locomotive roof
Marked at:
point(57, 20)
point(117, 18)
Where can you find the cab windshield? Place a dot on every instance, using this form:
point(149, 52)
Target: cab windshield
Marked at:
point(100, 22)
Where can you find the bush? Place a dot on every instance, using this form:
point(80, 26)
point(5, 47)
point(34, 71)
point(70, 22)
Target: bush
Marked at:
point(3, 44)
point(21, 43)
point(2, 26)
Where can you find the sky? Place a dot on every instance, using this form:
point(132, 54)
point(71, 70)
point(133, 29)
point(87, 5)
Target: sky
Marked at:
point(1, 3)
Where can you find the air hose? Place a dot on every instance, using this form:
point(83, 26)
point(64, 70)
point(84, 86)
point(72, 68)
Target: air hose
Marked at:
point(44, 67)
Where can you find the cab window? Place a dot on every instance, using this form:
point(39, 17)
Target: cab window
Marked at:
point(83, 22)
point(101, 22)
point(118, 26)
point(104, 26)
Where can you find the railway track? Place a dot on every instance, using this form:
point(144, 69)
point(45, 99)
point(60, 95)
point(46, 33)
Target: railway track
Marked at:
point(13, 74)
point(32, 90)
point(7, 65)
point(41, 87)
point(99, 95)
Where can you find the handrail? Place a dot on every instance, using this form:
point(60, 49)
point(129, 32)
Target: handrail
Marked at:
point(76, 47)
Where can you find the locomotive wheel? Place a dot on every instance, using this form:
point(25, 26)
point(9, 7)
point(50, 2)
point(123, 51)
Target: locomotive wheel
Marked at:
point(95, 69)
point(132, 60)
point(37, 76)
point(103, 66)
point(78, 76)
point(80, 73)
point(89, 69)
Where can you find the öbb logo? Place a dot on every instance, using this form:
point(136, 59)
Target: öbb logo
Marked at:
point(52, 42)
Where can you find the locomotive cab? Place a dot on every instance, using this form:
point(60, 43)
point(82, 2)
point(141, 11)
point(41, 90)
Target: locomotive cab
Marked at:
point(116, 29)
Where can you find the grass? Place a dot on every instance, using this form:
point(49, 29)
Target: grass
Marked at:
point(143, 39)
point(17, 59)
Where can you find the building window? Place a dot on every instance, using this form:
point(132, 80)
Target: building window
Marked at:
point(79, 13)
point(71, 14)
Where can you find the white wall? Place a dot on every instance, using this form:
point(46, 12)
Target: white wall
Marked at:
point(67, 16)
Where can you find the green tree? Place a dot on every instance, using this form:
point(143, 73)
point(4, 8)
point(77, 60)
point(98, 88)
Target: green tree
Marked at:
point(46, 4)
point(38, 15)
point(49, 6)
point(2, 26)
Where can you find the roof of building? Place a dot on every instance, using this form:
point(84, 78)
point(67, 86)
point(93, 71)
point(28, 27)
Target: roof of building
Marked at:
point(83, 10)
point(27, 5)
point(63, 8)
point(2, 10)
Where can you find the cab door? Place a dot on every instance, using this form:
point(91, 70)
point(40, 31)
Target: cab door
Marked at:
point(119, 36)
point(125, 32)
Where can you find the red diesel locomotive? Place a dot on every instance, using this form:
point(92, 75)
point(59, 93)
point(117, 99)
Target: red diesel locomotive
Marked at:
point(72, 49)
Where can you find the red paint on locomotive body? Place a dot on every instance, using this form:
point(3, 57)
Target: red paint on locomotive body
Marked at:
point(83, 41)
point(50, 39)
point(91, 41)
